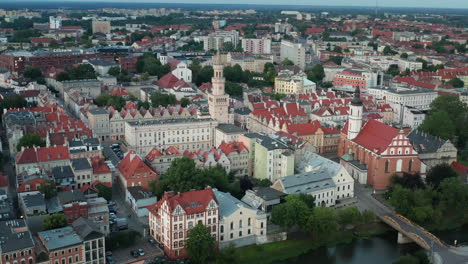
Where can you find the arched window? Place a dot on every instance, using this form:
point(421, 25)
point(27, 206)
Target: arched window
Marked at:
point(410, 165)
point(387, 165)
point(399, 165)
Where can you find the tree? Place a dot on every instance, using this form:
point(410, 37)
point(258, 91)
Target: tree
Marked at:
point(294, 212)
point(54, 221)
point(54, 44)
point(439, 124)
point(227, 255)
point(115, 101)
point(264, 183)
point(269, 73)
point(349, 216)
point(33, 73)
point(49, 189)
point(456, 83)
point(234, 89)
point(30, 140)
point(200, 244)
point(404, 55)
point(408, 180)
point(327, 84)
point(160, 99)
point(389, 51)
point(337, 49)
point(104, 191)
point(184, 102)
point(322, 221)
point(393, 69)
point(287, 62)
point(401, 199)
point(114, 71)
point(438, 173)
point(316, 73)
point(368, 217)
point(336, 59)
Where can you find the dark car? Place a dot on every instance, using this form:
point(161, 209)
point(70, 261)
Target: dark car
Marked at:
point(135, 253)
point(113, 210)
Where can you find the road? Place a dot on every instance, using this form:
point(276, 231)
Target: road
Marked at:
point(442, 253)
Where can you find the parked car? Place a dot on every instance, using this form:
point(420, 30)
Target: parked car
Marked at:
point(113, 211)
point(111, 203)
point(110, 260)
point(151, 241)
point(141, 252)
point(135, 253)
point(112, 215)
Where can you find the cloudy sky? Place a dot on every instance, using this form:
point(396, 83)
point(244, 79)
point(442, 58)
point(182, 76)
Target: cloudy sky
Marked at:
point(390, 3)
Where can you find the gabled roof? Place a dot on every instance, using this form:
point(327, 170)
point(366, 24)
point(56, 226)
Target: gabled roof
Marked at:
point(191, 202)
point(304, 129)
point(424, 142)
point(132, 164)
point(376, 136)
point(43, 154)
point(168, 81)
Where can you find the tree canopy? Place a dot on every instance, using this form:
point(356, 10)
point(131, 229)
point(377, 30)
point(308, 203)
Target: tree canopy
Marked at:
point(448, 119)
point(150, 64)
point(80, 72)
point(456, 83)
point(49, 189)
point(54, 221)
point(183, 176)
point(30, 140)
point(438, 173)
point(316, 73)
point(200, 244)
point(160, 99)
point(105, 99)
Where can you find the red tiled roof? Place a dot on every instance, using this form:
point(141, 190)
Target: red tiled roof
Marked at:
point(99, 166)
point(304, 129)
point(191, 202)
point(460, 168)
point(43, 154)
point(132, 164)
point(376, 136)
point(230, 147)
point(168, 81)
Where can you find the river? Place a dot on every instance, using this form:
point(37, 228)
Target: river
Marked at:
point(381, 249)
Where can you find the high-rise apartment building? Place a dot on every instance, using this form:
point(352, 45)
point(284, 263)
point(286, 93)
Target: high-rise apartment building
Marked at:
point(294, 52)
point(55, 22)
point(257, 46)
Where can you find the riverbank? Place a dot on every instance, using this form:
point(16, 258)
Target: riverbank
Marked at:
point(283, 250)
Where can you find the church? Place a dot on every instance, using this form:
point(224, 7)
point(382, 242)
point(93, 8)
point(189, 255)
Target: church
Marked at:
point(372, 151)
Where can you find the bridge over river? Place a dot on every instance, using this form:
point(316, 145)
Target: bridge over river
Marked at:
point(441, 252)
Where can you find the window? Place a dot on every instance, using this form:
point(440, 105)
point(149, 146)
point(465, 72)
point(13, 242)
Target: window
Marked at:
point(231, 235)
point(213, 229)
point(248, 232)
point(232, 225)
point(387, 164)
point(410, 165)
point(221, 229)
point(240, 233)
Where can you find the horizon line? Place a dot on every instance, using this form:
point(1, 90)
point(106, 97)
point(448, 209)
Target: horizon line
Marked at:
point(228, 4)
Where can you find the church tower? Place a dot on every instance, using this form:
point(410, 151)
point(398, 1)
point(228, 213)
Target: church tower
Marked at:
point(355, 115)
point(218, 101)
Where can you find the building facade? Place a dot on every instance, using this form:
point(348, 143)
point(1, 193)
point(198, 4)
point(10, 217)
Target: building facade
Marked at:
point(294, 52)
point(172, 217)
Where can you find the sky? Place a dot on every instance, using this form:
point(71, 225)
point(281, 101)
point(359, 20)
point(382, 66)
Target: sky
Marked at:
point(382, 3)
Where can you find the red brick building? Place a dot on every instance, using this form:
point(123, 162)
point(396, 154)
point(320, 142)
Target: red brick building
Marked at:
point(74, 205)
point(17, 61)
point(62, 245)
point(133, 171)
point(172, 217)
point(384, 150)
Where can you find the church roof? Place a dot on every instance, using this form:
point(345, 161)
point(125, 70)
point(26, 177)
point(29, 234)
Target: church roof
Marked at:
point(376, 136)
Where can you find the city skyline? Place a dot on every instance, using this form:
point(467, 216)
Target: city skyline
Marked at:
point(369, 3)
